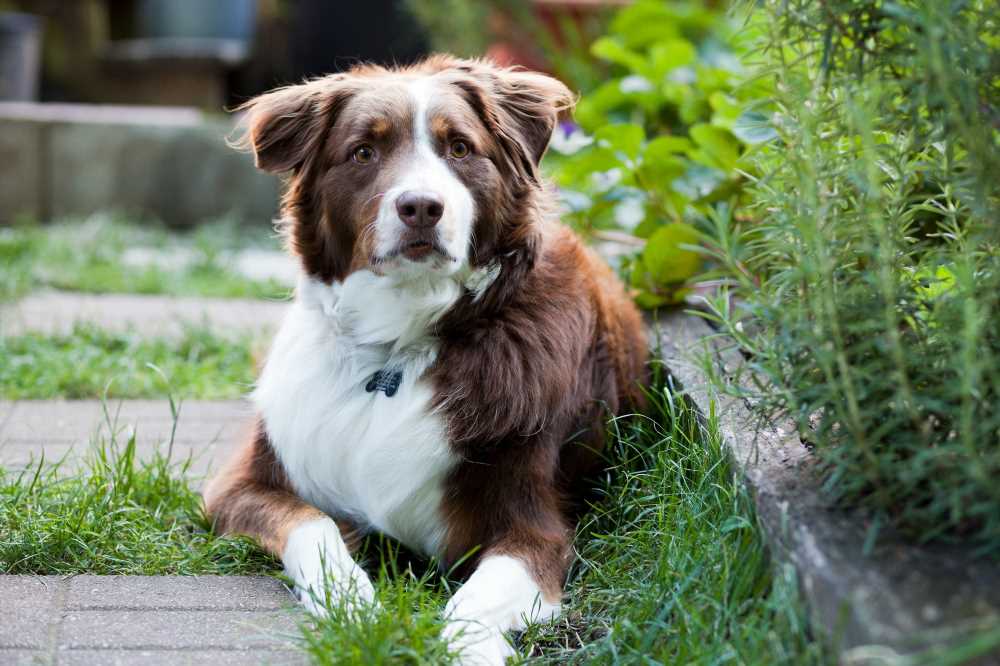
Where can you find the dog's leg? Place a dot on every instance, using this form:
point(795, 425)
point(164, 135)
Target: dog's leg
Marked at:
point(505, 592)
point(252, 497)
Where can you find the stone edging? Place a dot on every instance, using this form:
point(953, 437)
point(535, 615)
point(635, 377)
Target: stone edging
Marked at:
point(899, 596)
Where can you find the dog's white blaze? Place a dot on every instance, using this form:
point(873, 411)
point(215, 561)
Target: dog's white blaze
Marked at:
point(427, 171)
point(501, 595)
point(317, 559)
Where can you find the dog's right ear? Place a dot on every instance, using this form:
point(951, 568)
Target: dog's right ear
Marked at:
point(285, 127)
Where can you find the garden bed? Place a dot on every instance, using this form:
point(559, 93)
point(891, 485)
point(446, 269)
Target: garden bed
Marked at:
point(862, 592)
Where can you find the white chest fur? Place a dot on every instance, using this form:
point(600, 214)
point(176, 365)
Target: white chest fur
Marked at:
point(376, 459)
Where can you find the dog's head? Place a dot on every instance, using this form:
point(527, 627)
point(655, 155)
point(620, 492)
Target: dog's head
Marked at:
point(429, 168)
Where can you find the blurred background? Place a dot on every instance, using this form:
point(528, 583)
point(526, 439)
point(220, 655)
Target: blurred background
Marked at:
point(92, 91)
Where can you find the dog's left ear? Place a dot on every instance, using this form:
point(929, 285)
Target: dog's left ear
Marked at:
point(519, 107)
point(533, 102)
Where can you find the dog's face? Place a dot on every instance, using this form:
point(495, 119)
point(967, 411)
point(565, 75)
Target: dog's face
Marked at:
point(407, 172)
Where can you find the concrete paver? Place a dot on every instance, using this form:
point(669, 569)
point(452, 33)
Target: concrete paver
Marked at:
point(147, 619)
point(206, 430)
point(175, 592)
point(55, 312)
point(178, 629)
point(180, 658)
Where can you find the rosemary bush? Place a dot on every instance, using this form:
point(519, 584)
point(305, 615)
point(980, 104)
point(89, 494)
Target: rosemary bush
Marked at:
point(868, 290)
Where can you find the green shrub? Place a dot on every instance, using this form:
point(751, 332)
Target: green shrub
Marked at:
point(670, 134)
point(868, 297)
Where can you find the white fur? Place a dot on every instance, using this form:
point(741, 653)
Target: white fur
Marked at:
point(317, 559)
point(501, 595)
point(427, 171)
point(377, 460)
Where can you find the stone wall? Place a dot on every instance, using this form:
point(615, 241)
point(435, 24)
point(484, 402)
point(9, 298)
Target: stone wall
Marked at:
point(59, 160)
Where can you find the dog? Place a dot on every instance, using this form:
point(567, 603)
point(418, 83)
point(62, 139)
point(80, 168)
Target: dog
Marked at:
point(446, 369)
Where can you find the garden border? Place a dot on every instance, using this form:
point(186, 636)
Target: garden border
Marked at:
point(898, 596)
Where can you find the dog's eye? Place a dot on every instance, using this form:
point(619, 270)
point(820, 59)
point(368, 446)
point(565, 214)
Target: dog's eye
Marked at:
point(364, 154)
point(459, 149)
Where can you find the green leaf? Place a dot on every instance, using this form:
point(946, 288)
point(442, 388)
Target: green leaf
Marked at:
point(612, 50)
point(578, 168)
point(660, 165)
point(624, 138)
point(667, 56)
point(716, 147)
point(592, 111)
point(662, 146)
point(644, 23)
point(725, 110)
point(753, 128)
point(650, 301)
point(664, 258)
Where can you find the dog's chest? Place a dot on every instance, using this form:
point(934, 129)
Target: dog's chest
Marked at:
point(351, 452)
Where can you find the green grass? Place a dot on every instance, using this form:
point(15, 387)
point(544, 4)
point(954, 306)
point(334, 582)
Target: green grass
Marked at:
point(88, 256)
point(91, 363)
point(118, 515)
point(671, 569)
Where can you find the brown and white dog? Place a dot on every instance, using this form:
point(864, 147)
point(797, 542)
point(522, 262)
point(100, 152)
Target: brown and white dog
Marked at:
point(452, 352)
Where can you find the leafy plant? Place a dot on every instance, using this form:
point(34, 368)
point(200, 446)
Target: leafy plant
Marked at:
point(867, 299)
point(664, 142)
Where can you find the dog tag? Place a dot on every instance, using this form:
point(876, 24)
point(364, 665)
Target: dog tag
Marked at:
point(386, 381)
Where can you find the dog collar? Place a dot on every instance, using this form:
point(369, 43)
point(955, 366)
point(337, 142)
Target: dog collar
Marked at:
point(386, 381)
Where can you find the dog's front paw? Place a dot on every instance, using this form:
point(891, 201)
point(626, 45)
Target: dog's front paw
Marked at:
point(476, 645)
point(324, 573)
point(328, 587)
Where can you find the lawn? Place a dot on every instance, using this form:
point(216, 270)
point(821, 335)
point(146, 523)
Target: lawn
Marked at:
point(671, 564)
point(102, 254)
point(93, 363)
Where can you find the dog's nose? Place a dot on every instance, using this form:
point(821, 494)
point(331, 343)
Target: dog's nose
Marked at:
point(419, 209)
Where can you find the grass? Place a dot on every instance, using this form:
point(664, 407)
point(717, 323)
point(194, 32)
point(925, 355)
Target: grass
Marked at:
point(671, 569)
point(119, 515)
point(91, 363)
point(90, 255)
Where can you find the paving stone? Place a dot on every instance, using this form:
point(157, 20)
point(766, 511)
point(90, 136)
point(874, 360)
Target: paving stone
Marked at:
point(55, 313)
point(6, 409)
point(177, 593)
point(180, 658)
point(267, 265)
point(178, 629)
point(28, 604)
point(18, 657)
point(151, 420)
point(206, 432)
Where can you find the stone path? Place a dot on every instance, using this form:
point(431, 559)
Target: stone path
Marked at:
point(55, 312)
point(98, 620)
point(206, 430)
point(83, 620)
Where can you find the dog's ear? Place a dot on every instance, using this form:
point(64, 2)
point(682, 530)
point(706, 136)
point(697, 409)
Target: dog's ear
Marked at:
point(533, 103)
point(520, 108)
point(283, 128)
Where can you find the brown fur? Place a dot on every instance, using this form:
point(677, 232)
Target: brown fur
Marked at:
point(527, 372)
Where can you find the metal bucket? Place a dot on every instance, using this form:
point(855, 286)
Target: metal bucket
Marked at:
point(20, 56)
